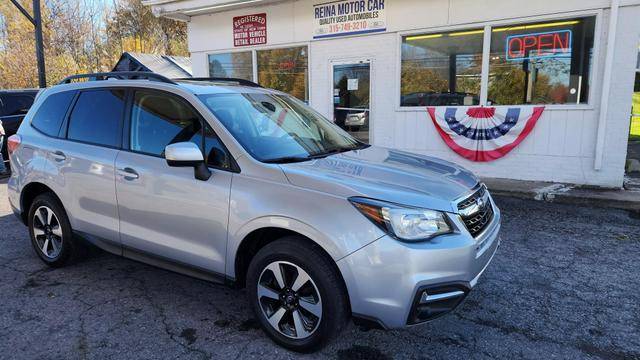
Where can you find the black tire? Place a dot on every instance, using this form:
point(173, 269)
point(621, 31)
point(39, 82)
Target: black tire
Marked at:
point(322, 271)
point(70, 249)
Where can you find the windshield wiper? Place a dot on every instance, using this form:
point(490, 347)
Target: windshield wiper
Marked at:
point(287, 159)
point(338, 151)
point(320, 155)
point(361, 146)
point(327, 153)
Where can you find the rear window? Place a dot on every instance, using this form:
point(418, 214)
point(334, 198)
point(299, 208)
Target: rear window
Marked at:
point(96, 117)
point(51, 113)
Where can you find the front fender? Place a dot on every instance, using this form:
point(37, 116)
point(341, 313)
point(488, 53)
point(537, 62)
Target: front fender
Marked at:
point(330, 221)
point(280, 222)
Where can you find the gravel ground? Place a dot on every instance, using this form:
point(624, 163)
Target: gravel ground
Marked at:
point(564, 284)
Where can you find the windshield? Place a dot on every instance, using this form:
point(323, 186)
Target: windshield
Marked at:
point(278, 128)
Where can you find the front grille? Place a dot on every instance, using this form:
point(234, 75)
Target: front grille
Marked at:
point(476, 217)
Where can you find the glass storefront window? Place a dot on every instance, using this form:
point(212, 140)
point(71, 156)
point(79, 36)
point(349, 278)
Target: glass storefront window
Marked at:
point(541, 63)
point(232, 65)
point(442, 69)
point(286, 70)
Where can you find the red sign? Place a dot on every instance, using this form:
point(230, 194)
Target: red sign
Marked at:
point(540, 45)
point(250, 30)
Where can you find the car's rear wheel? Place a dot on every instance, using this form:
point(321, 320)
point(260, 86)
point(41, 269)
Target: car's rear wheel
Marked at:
point(50, 231)
point(297, 294)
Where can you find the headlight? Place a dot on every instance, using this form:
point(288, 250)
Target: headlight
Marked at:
point(403, 223)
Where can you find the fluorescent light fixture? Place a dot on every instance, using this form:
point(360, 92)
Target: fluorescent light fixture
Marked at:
point(421, 37)
point(463, 33)
point(481, 31)
point(536, 26)
point(221, 6)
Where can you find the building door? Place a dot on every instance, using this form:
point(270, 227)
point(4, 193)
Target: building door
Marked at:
point(351, 97)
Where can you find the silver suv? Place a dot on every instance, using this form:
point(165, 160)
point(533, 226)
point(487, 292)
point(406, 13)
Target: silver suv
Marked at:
point(227, 181)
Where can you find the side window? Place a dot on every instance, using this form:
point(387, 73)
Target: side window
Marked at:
point(158, 119)
point(216, 154)
point(50, 115)
point(97, 116)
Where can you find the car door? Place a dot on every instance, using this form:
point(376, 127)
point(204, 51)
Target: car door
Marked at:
point(83, 162)
point(165, 212)
point(13, 108)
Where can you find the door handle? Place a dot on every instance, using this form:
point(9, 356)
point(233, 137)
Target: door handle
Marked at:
point(128, 173)
point(59, 156)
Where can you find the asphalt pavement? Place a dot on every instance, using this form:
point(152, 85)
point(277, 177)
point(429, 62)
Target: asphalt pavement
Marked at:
point(564, 284)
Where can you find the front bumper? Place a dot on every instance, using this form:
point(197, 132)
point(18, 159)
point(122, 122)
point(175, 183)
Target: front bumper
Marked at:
point(397, 284)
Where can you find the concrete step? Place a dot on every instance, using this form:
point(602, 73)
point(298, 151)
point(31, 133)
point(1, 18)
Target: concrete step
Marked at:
point(627, 199)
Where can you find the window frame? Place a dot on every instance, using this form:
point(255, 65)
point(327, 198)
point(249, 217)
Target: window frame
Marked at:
point(486, 51)
point(126, 129)
point(254, 60)
point(64, 129)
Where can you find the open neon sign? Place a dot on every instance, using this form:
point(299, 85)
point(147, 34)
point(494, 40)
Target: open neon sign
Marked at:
point(539, 45)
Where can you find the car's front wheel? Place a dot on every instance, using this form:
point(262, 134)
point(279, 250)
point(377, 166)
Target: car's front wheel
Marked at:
point(297, 294)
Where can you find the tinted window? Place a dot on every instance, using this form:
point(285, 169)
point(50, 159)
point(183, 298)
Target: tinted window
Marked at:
point(96, 117)
point(15, 104)
point(158, 119)
point(216, 154)
point(51, 113)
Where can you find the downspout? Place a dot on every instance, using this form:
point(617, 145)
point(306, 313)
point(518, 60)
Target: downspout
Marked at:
point(606, 84)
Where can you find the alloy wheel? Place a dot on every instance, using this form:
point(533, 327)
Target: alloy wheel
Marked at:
point(47, 232)
point(289, 299)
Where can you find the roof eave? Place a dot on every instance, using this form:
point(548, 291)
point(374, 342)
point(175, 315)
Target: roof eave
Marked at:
point(183, 10)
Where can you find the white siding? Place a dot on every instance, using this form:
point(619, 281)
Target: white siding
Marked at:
point(562, 146)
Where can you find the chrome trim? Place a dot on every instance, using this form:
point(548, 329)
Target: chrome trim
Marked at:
point(476, 207)
point(491, 227)
point(461, 198)
point(426, 298)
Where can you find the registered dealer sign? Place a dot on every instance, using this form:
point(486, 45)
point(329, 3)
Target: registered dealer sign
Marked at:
point(250, 30)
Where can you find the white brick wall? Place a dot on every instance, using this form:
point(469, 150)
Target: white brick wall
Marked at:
point(561, 147)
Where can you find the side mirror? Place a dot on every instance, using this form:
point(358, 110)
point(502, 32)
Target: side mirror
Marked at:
point(187, 154)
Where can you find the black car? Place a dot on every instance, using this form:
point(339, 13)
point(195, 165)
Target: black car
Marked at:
point(14, 105)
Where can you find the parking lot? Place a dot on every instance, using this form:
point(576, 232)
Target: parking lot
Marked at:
point(564, 284)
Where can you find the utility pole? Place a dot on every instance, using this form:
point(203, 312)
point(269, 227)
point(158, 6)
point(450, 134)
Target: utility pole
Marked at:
point(36, 21)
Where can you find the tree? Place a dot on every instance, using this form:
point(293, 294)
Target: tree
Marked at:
point(81, 36)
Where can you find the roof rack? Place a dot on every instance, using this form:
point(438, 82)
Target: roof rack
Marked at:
point(222, 79)
point(121, 75)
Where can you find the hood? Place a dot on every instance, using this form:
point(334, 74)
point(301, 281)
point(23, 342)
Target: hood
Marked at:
point(384, 174)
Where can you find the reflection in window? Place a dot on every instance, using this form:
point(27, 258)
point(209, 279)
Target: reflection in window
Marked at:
point(285, 70)
point(542, 63)
point(158, 120)
point(232, 65)
point(441, 69)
